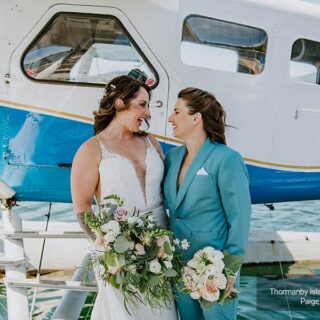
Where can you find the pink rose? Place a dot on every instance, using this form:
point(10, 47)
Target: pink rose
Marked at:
point(121, 214)
point(162, 240)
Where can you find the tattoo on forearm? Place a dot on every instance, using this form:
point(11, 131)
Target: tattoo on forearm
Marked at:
point(85, 228)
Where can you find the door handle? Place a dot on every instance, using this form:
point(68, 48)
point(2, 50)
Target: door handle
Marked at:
point(157, 104)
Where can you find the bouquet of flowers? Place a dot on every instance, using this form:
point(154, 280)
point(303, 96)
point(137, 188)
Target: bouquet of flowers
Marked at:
point(205, 276)
point(134, 255)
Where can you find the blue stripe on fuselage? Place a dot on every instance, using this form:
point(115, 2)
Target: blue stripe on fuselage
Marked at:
point(37, 147)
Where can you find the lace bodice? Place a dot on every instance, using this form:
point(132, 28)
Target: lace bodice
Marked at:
point(118, 176)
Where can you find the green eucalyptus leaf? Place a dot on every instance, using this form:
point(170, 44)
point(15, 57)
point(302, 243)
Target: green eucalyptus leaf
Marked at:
point(151, 251)
point(118, 278)
point(170, 273)
point(110, 259)
point(167, 248)
point(121, 260)
point(153, 281)
point(113, 282)
point(121, 244)
point(232, 263)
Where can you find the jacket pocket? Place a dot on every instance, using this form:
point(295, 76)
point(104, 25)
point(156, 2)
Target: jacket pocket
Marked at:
point(200, 177)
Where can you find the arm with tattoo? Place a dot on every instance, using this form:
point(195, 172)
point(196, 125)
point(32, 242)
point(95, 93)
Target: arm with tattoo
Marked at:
point(85, 228)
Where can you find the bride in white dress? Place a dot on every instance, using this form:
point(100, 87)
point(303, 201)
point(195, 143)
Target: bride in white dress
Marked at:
point(119, 160)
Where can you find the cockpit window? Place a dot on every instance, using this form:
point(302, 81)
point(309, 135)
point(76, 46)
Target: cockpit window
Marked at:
point(80, 48)
point(305, 61)
point(223, 45)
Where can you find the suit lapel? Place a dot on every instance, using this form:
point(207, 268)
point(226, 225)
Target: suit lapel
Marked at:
point(203, 153)
point(175, 169)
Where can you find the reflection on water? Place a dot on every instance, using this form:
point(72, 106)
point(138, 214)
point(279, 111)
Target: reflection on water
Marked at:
point(294, 216)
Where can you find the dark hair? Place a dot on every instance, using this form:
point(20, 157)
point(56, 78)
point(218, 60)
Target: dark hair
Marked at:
point(122, 87)
point(213, 115)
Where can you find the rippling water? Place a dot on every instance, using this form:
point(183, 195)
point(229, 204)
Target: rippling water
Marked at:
point(293, 216)
point(288, 216)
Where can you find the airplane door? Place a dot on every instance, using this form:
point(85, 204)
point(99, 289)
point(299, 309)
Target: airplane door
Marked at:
point(57, 77)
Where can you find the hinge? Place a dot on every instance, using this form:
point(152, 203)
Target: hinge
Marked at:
point(7, 78)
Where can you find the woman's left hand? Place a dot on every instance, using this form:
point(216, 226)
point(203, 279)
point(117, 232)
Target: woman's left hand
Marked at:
point(230, 284)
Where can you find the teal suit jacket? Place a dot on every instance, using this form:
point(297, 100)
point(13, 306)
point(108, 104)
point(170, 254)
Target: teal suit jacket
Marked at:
point(213, 209)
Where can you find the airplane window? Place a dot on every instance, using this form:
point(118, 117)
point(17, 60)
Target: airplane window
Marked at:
point(223, 45)
point(305, 61)
point(86, 49)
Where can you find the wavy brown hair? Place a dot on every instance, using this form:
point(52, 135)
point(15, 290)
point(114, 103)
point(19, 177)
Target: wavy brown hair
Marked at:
point(213, 115)
point(122, 87)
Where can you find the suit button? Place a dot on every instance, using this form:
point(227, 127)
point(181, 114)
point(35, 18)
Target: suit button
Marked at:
point(178, 218)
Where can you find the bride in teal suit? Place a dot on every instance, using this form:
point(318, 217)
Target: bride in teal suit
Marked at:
point(206, 190)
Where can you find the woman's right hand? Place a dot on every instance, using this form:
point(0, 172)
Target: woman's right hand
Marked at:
point(99, 242)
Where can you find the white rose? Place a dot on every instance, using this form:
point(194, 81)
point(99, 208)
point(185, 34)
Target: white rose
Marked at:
point(189, 272)
point(220, 281)
point(199, 280)
point(219, 265)
point(209, 251)
point(218, 255)
point(111, 226)
point(198, 255)
point(139, 249)
point(155, 266)
point(201, 267)
point(110, 236)
point(168, 264)
point(193, 263)
point(210, 270)
point(195, 295)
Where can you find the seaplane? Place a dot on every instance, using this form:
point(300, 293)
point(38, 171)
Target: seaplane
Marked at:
point(260, 58)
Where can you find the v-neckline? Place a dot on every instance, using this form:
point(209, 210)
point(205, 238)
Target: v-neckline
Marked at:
point(143, 190)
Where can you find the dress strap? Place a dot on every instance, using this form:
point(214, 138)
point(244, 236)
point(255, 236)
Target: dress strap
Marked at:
point(105, 151)
point(151, 145)
point(148, 142)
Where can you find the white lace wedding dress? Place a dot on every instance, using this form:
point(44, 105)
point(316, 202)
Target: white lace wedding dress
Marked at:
point(118, 176)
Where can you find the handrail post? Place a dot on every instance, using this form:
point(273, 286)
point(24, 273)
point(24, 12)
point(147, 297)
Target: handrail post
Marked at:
point(17, 298)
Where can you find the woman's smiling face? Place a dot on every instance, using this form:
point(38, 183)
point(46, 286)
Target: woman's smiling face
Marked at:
point(181, 120)
point(134, 116)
